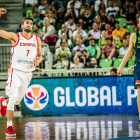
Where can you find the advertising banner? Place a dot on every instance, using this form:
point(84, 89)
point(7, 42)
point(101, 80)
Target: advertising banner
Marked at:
point(84, 95)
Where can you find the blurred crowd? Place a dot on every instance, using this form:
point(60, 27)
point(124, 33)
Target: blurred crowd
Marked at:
point(83, 32)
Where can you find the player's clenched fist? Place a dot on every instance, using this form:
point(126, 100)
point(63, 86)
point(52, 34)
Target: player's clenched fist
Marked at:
point(36, 62)
point(2, 11)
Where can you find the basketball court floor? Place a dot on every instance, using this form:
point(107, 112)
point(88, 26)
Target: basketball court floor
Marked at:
point(102, 127)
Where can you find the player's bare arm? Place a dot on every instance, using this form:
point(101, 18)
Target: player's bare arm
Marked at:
point(127, 55)
point(7, 35)
point(39, 53)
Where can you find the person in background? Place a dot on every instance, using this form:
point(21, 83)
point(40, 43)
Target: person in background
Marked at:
point(76, 64)
point(77, 4)
point(29, 12)
point(109, 50)
point(71, 24)
point(93, 49)
point(135, 29)
point(37, 32)
point(117, 42)
point(62, 55)
point(65, 30)
point(97, 2)
point(120, 31)
point(88, 40)
point(108, 29)
point(42, 9)
point(88, 19)
point(130, 16)
point(63, 39)
point(102, 7)
point(102, 41)
point(79, 31)
point(79, 46)
point(111, 20)
point(99, 22)
point(95, 32)
point(113, 72)
point(123, 49)
point(36, 19)
point(49, 17)
point(124, 9)
point(128, 38)
point(29, 3)
point(112, 9)
point(85, 58)
point(103, 18)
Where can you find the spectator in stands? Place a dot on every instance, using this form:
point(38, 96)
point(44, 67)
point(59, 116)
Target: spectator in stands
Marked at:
point(124, 9)
point(99, 22)
point(117, 42)
point(29, 12)
point(42, 9)
point(120, 31)
point(95, 32)
point(97, 2)
point(50, 18)
point(31, 2)
point(85, 58)
point(63, 39)
point(77, 4)
point(103, 17)
point(88, 40)
point(130, 16)
point(108, 29)
point(102, 41)
point(135, 29)
point(36, 19)
point(128, 38)
point(113, 71)
point(109, 50)
point(80, 32)
point(65, 30)
point(59, 8)
point(81, 22)
point(76, 64)
point(37, 32)
point(112, 9)
point(123, 49)
point(132, 69)
point(93, 49)
point(78, 54)
point(71, 24)
point(73, 9)
point(138, 6)
point(111, 21)
point(102, 8)
point(48, 31)
point(88, 19)
point(79, 46)
point(62, 55)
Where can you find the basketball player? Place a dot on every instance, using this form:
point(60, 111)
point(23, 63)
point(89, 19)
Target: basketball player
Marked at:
point(26, 55)
point(134, 43)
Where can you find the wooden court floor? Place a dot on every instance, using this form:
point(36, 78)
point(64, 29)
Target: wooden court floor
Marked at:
point(73, 128)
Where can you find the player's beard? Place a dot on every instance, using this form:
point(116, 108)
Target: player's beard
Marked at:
point(27, 30)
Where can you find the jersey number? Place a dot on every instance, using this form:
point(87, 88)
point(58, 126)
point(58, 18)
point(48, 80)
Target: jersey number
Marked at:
point(27, 52)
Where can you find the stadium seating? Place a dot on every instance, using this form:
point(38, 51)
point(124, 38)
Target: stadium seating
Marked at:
point(130, 62)
point(121, 21)
point(105, 63)
point(129, 28)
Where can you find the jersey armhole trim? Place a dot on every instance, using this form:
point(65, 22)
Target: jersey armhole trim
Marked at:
point(135, 39)
point(37, 40)
point(17, 41)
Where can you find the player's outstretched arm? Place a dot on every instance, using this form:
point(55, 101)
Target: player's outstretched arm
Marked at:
point(127, 55)
point(4, 34)
point(39, 53)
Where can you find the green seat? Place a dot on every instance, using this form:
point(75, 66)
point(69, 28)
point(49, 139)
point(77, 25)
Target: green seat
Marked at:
point(121, 21)
point(105, 63)
point(130, 62)
point(117, 62)
point(129, 28)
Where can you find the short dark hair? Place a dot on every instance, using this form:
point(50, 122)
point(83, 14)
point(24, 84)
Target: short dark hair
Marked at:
point(78, 25)
point(114, 70)
point(78, 50)
point(72, 3)
point(92, 39)
point(108, 38)
point(62, 43)
point(28, 18)
point(84, 51)
point(35, 12)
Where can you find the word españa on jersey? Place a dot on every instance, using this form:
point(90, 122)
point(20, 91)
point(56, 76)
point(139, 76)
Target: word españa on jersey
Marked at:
point(25, 61)
point(28, 44)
